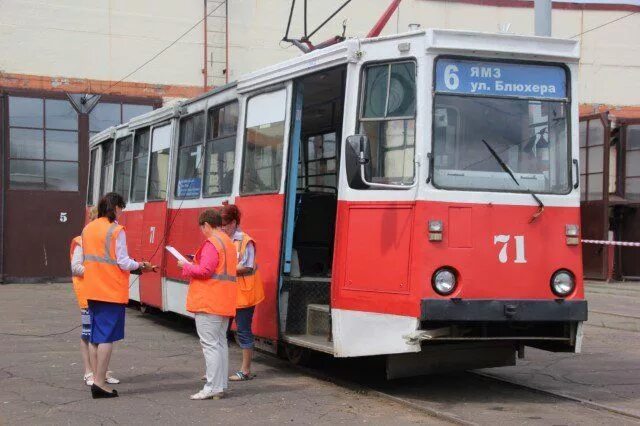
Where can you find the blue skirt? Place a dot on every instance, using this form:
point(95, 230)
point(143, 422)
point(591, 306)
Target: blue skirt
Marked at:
point(107, 321)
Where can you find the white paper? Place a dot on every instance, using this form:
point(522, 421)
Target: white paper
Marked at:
point(175, 253)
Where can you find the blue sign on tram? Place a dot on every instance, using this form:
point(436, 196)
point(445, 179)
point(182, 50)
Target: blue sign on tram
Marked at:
point(500, 79)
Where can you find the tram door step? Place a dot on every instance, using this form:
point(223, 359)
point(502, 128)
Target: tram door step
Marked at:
point(318, 320)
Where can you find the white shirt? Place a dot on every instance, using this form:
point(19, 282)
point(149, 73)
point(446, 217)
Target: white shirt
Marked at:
point(77, 267)
point(248, 258)
point(122, 255)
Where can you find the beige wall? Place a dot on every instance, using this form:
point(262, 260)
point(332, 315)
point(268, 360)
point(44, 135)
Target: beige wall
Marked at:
point(610, 65)
point(102, 39)
point(107, 39)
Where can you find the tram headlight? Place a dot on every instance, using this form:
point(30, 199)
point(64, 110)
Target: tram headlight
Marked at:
point(563, 283)
point(444, 281)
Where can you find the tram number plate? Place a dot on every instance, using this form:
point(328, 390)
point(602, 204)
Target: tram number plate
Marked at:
point(503, 254)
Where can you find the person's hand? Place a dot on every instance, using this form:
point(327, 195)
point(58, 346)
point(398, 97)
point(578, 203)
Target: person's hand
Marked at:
point(181, 264)
point(148, 267)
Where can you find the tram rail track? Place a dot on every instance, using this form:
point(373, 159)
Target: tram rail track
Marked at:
point(585, 402)
point(451, 416)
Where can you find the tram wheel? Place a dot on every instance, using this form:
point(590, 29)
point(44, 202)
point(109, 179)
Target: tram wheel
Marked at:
point(297, 355)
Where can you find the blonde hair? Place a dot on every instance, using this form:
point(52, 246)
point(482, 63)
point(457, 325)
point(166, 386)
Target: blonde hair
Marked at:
point(93, 213)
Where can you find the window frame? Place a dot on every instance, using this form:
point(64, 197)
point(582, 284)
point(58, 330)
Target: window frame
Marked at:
point(205, 167)
point(105, 187)
point(167, 123)
point(285, 138)
point(179, 147)
point(154, 103)
point(304, 161)
point(91, 173)
point(569, 129)
point(360, 112)
point(115, 163)
point(43, 97)
point(584, 168)
point(625, 149)
point(133, 158)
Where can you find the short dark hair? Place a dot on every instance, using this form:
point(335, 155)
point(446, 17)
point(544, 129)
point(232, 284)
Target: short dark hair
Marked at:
point(108, 203)
point(230, 212)
point(210, 216)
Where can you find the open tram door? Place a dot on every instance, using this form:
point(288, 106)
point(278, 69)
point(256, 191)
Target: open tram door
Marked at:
point(311, 198)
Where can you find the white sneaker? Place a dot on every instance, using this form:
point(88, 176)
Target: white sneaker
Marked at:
point(203, 394)
point(112, 380)
point(88, 379)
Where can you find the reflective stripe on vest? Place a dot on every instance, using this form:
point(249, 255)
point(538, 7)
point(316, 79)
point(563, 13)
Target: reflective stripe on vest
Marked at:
point(225, 275)
point(107, 248)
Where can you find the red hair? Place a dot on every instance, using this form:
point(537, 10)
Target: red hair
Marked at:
point(230, 212)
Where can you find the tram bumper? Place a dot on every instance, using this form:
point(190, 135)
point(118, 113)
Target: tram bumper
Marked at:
point(475, 310)
point(552, 325)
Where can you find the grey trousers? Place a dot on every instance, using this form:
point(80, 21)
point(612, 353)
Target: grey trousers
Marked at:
point(212, 330)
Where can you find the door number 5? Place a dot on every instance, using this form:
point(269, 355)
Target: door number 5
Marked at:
point(503, 256)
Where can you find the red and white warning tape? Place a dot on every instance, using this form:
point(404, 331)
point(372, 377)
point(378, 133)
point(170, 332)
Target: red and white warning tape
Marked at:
point(612, 243)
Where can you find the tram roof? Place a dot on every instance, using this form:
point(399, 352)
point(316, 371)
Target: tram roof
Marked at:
point(436, 41)
point(109, 133)
point(155, 116)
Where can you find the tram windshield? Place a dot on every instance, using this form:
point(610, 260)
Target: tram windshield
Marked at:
point(529, 135)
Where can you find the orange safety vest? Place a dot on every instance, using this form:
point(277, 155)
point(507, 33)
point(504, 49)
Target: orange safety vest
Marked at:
point(103, 278)
point(218, 294)
point(250, 288)
point(77, 281)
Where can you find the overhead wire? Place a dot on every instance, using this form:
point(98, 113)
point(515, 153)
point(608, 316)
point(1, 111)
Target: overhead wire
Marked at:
point(620, 18)
point(165, 48)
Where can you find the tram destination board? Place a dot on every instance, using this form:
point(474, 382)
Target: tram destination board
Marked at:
point(489, 78)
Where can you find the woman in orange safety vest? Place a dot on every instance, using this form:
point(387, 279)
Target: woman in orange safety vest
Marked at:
point(77, 272)
point(212, 297)
point(106, 286)
point(250, 288)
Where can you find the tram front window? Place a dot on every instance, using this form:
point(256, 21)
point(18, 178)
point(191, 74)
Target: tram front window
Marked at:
point(529, 135)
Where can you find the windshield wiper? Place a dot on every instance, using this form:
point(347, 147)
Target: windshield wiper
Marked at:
point(510, 173)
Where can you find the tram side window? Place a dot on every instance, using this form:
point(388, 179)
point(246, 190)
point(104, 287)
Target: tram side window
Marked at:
point(264, 139)
point(122, 168)
point(220, 149)
point(106, 173)
point(159, 167)
point(92, 176)
point(140, 158)
point(387, 117)
point(189, 178)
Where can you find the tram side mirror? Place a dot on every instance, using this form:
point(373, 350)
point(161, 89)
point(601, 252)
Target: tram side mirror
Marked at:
point(358, 156)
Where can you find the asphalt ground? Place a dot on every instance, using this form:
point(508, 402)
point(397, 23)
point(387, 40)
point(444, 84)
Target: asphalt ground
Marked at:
point(160, 363)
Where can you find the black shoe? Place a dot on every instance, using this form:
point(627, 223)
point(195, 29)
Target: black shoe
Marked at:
point(98, 392)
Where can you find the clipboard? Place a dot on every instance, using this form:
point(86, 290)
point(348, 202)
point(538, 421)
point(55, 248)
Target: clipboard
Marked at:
point(175, 253)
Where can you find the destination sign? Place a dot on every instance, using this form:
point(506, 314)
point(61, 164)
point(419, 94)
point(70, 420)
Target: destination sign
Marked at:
point(500, 79)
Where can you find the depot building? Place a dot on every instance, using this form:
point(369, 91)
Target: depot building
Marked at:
point(70, 70)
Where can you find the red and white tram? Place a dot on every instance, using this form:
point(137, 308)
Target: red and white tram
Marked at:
point(414, 196)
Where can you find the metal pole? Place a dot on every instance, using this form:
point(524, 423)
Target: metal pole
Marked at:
point(542, 11)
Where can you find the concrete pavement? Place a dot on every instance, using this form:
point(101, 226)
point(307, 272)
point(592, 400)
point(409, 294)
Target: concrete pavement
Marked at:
point(160, 364)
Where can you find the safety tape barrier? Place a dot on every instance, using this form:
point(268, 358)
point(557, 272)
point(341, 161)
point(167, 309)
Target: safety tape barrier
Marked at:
point(612, 243)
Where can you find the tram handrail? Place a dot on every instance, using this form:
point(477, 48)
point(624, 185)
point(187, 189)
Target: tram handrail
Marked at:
point(362, 160)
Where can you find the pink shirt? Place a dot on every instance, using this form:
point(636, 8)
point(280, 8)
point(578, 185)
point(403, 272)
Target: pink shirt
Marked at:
point(207, 263)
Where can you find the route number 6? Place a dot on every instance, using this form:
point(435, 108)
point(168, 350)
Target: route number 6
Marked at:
point(451, 79)
point(503, 256)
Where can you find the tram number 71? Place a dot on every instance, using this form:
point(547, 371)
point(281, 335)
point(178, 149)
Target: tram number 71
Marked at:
point(503, 256)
